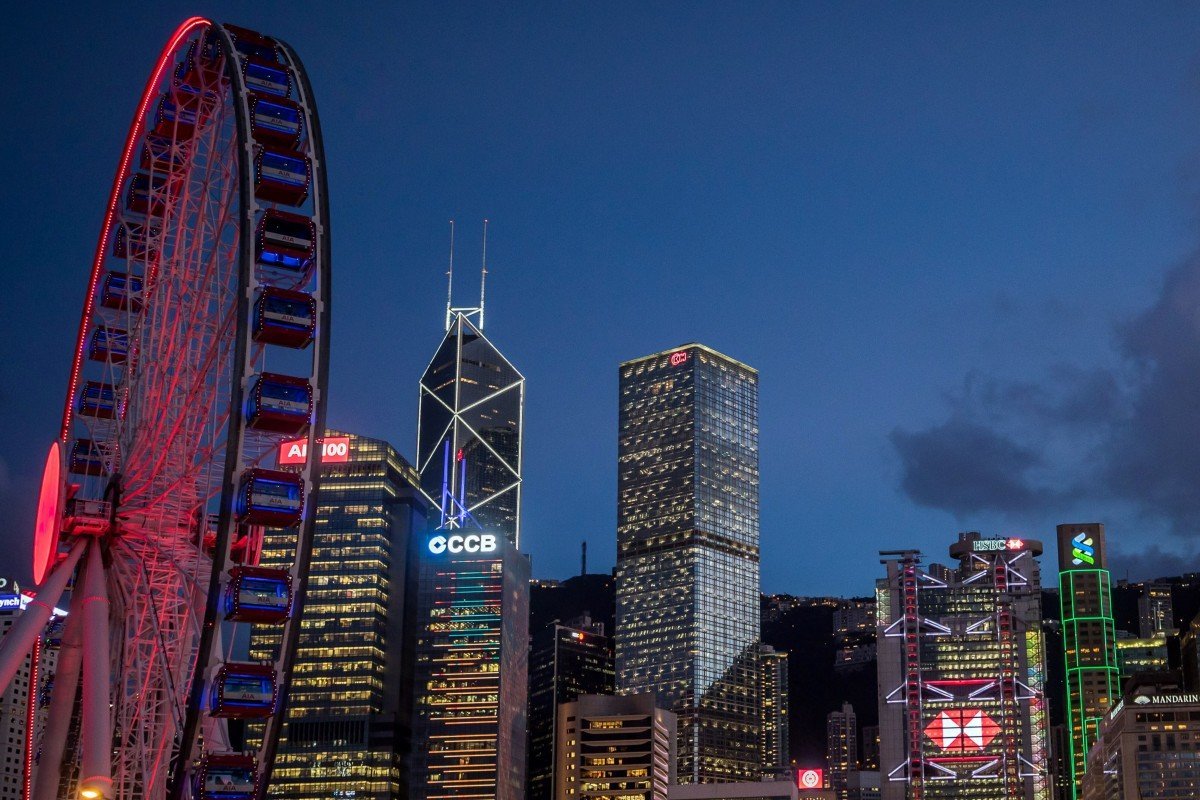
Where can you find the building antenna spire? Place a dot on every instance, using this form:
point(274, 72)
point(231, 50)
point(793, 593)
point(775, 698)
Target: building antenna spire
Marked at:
point(583, 559)
point(483, 276)
point(450, 279)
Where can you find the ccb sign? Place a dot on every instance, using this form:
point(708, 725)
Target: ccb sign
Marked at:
point(458, 543)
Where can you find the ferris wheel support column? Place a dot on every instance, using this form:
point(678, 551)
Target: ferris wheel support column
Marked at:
point(58, 719)
point(95, 733)
point(17, 644)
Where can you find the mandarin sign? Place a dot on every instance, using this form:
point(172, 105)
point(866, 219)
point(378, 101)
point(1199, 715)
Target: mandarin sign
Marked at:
point(334, 450)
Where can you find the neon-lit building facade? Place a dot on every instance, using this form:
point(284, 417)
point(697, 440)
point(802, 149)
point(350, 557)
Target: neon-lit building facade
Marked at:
point(471, 669)
point(1089, 638)
point(345, 734)
point(962, 707)
point(469, 431)
point(687, 553)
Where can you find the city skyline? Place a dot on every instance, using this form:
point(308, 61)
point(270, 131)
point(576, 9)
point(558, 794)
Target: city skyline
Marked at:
point(1019, 293)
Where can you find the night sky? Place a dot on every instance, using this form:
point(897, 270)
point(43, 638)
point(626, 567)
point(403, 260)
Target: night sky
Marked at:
point(959, 241)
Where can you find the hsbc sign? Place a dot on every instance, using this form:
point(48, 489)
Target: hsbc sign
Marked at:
point(458, 543)
point(334, 450)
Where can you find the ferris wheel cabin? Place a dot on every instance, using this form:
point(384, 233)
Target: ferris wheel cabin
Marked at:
point(258, 594)
point(271, 498)
point(132, 241)
point(284, 318)
point(98, 399)
point(280, 403)
point(275, 120)
point(109, 344)
point(285, 240)
point(226, 776)
point(243, 691)
point(121, 292)
point(281, 176)
point(261, 76)
point(86, 458)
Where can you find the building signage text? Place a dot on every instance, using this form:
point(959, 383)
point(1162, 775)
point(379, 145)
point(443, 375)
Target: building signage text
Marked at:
point(334, 450)
point(458, 543)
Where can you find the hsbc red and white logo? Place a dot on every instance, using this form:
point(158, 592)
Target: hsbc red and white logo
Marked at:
point(962, 729)
point(334, 450)
point(810, 779)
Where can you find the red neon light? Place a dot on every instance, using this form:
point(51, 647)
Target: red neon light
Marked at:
point(149, 94)
point(334, 450)
point(1014, 544)
point(49, 511)
point(31, 717)
point(678, 357)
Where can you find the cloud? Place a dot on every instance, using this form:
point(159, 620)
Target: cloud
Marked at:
point(965, 468)
point(1093, 435)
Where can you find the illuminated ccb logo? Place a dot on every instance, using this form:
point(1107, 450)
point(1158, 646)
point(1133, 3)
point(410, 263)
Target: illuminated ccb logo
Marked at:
point(460, 543)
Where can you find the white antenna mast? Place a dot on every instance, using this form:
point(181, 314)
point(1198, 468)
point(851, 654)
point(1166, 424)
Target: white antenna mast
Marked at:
point(450, 280)
point(483, 275)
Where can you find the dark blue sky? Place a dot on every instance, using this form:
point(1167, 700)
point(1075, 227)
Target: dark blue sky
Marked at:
point(956, 241)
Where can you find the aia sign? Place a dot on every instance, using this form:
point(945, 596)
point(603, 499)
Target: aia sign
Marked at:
point(334, 450)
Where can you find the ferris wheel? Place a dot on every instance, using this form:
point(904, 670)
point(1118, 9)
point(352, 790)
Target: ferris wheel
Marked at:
point(203, 345)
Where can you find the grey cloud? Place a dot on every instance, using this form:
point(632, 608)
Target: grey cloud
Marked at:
point(967, 468)
point(1096, 435)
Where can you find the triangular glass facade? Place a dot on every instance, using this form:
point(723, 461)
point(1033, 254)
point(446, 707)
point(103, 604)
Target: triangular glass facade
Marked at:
point(469, 433)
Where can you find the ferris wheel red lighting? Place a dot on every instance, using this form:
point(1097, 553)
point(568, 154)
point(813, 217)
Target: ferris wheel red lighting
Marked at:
point(49, 511)
point(170, 408)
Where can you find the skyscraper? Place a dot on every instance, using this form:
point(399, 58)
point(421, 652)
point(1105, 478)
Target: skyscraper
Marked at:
point(962, 707)
point(687, 553)
point(565, 661)
point(472, 654)
point(773, 700)
point(347, 726)
point(472, 648)
point(841, 748)
point(1089, 638)
point(469, 431)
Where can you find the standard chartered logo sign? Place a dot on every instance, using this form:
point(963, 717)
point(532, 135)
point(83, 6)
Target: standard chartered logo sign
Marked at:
point(1084, 550)
point(457, 543)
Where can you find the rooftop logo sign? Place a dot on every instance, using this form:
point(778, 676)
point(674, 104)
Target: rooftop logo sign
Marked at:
point(1083, 550)
point(457, 543)
point(678, 357)
point(334, 450)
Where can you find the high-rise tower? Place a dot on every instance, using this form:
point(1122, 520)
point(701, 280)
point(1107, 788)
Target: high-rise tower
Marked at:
point(469, 427)
point(347, 728)
point(687, 553)
point(1089, 638)
point(962, 705)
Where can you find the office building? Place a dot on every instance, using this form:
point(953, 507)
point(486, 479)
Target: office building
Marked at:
point(1148, 746)
point(1141, 655)
point(347, 729)
point(469, 430)
point(565, 661)
point(687, 553)
point(1089, 637)
point(471, 668)
point(962, 709)
point(863, 785)
point(773, 694)
point(841, 748)
point(1189, 647)
point(1156, 611)
point(616, 747)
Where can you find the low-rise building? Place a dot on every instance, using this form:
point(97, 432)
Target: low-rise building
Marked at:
point(615, 746)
